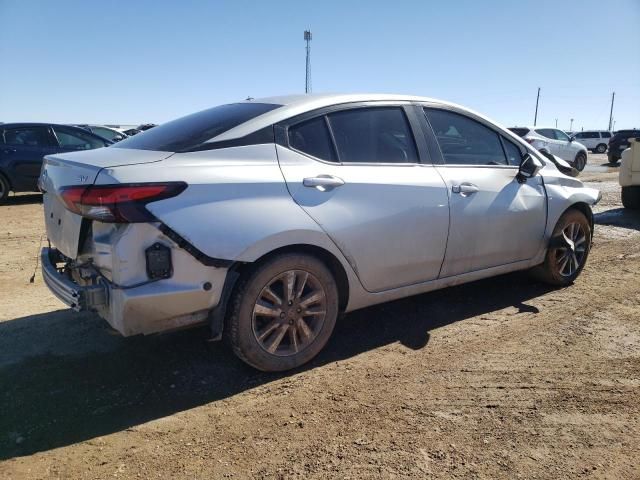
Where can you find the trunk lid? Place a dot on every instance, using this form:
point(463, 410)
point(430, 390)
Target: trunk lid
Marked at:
point(79, 168)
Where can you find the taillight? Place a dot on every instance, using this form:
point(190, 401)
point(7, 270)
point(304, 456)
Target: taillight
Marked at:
point(122, 203)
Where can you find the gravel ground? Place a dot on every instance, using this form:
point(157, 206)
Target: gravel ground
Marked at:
point(502, 378)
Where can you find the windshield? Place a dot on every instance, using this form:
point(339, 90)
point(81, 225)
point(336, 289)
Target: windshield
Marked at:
point(188, 132)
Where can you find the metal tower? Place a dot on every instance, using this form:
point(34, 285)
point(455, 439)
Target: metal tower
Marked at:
point(307, 83)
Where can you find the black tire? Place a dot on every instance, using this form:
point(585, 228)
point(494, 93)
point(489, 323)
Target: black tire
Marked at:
point(4, 188)
point(552, 271)
point(244, 324)
point(631, 197)
point(601, 148)
point(612, 159)
point(580, 161)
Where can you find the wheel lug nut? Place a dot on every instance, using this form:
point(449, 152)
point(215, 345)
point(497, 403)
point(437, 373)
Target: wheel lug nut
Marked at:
point(290, 302)
point(299, 310)
point(282, 315)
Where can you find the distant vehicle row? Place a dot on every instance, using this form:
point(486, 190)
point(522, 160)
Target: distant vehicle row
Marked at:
point(555, 142)
point(23, 146)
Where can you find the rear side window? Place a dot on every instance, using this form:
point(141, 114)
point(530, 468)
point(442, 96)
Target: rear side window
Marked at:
point(312, 137)
point(373, 135)
point(521, 132)
point(26, 136)
point(546, 132)
point(606, 134)
point(193, 130)
point(560, 135)
point(464, 141)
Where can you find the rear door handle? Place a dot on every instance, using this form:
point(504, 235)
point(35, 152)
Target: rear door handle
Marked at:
point(323, 183)
point(465, 189)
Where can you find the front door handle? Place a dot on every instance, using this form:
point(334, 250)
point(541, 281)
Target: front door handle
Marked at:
point(323, 183)
point(465, 189)
point(9, 150)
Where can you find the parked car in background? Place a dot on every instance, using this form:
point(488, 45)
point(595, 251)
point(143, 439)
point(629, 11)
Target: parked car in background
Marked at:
point(595, 140)
point(267, 218)
point(132, 131)
point(556, 142)
point(23, 146)
point(109, 133)
point(146, 126)
point(620, 141)
point(630, 175)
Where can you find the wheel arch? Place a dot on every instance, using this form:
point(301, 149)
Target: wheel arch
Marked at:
point(582, 207)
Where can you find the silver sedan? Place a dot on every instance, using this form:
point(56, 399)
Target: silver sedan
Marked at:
point(267, 218)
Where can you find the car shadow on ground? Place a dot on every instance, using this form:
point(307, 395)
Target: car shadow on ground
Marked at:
point(619, 217)
point(22, 199)
point(67, 378)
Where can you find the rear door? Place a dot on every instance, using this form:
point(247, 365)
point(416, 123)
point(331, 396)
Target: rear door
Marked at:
point(495, 220)
point(356, 171)
point(23, 150)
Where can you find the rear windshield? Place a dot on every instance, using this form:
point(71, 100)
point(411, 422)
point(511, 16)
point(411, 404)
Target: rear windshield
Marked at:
point(521, 132)
point(188, 132)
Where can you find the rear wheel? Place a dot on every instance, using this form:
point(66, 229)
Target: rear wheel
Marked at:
point(631, 197)
point(283, 312)
point(4, 188)
point(580, 161)
point(601, 148)
point(568, 250)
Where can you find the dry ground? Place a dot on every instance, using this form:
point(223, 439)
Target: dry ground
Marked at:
point(502, 378)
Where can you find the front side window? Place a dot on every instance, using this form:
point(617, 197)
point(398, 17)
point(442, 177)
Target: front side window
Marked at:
point(464, 141)
point(606, 134)
point(26, 136)
point(373, 135)
point(77, 140)
point(189, 132)
point(513, 152)
point(560, 135)
point(312, 137)
point(580, 135)
point(105, 133)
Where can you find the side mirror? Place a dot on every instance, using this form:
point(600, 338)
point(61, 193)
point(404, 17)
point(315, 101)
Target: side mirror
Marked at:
point(529, 167)
point(571, 138)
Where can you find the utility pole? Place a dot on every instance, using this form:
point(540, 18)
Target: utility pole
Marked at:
point(307, 83)
point(613, 96)
point(571, 126)
point(535, 119)
point(556, 123)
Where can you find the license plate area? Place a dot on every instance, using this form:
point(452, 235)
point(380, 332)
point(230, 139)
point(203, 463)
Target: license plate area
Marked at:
point(63, 226)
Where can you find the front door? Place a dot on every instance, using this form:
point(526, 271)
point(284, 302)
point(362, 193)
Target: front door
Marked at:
point(495, 220)
point(356, 172)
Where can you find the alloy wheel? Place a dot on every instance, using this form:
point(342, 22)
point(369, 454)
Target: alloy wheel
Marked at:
point(570, 256)
point(289, 313)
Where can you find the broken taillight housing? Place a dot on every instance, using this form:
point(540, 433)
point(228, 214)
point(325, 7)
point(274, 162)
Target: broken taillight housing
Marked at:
point(121, 203)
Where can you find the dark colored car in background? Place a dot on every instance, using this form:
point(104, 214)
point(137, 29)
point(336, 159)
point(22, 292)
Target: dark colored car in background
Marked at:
point(619, 142)
point(23, 146)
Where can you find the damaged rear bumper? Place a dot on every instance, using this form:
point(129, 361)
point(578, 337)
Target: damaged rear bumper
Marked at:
point(79, 298)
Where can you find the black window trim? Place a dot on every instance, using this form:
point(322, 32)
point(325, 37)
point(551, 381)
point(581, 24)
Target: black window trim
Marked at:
point(47, 129)
point(432, 136)
point(407, 108)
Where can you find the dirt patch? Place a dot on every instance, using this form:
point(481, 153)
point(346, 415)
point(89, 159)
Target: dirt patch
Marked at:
point(502, 378)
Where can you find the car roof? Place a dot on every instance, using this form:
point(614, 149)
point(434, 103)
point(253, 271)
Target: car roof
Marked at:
point(40, 124)
point(292, 105)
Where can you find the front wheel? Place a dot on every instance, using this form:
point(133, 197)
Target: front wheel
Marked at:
point(568, 250)
point(580, 161)
point(601, 148)
point(283, 312)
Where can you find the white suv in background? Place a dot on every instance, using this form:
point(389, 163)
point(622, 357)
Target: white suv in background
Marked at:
point(595, 140)
point(556, 142)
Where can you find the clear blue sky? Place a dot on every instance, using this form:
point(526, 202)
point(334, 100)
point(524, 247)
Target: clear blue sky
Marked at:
point(151, 61)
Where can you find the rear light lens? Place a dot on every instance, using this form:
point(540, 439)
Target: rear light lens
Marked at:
point(122, 203)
